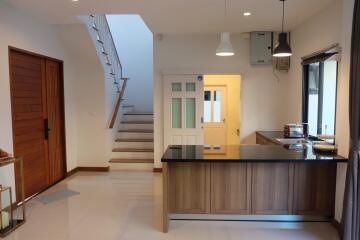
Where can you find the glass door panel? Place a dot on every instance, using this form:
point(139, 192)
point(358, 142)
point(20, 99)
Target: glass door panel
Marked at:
point(176, 113)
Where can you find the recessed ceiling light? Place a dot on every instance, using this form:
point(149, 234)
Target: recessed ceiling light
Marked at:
point(247, 14)
point(75, 0)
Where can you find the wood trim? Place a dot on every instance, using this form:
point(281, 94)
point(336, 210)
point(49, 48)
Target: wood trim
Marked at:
point(117, 105)
point(93, 169)
point(128, 160)
point(336, 224)
point(87, 169)
point(263, 140)
point(72, 172)
point(34, 54)
point(137, 130)
point(139, 113)
point(157, 170)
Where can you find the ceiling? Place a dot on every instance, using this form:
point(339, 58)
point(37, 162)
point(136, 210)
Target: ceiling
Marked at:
point(182, 16)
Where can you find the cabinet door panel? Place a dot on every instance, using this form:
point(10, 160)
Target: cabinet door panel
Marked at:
point(230, 188)
point(272, 188)
point(187, 188)
point(314, 189)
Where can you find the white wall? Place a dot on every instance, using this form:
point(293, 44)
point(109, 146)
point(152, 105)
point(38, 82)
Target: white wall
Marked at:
point(317, 33)
point(89, 93)
point(134, 42)
point(262, 90)
point(332, 25)
point(81, 81)
point(21, 31)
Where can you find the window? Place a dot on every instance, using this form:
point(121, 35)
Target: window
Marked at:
point(319, 96)
point(212, 106)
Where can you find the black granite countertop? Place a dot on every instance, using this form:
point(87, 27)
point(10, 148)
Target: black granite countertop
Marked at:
point(245, 153)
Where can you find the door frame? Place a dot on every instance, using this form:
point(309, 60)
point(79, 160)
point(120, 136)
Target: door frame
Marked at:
point(62, 100)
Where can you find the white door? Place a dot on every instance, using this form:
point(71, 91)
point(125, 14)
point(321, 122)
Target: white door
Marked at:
point(183, 110)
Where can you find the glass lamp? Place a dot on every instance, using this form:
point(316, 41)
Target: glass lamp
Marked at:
point(6, 214)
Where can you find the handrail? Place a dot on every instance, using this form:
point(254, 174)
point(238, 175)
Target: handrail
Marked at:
point(117, 105)
point(108, 49)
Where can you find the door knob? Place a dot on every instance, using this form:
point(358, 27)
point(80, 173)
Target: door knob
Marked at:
point(224, 120)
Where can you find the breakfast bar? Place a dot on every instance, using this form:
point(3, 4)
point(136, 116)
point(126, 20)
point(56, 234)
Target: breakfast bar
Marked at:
point(248, 182)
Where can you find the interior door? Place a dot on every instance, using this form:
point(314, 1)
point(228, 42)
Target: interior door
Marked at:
point(183, 110)
point(28, 105)
point(215, 115)
point(37, 106)
point(55, 120)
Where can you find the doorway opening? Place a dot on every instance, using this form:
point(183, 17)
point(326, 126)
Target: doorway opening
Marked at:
point(221, 121)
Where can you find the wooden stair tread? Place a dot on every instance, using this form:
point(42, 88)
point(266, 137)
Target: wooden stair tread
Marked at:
point(139, 113)
point(134, 140)
point(128, 160)
point(137, 122)
point(137, 130)
point(133, 150)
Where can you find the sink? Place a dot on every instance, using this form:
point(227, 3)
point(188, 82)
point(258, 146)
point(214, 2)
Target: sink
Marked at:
point(292, 141)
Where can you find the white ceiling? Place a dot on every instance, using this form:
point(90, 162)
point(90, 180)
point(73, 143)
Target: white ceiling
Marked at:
point(182, 16)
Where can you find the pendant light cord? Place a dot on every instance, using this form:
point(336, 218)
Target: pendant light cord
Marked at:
point(225, 10)
point(283, 17)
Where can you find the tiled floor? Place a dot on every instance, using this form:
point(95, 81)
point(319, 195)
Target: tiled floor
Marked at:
point(127, 206)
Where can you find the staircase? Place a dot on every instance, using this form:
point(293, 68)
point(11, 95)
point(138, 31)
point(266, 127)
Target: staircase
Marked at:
point(135, 141)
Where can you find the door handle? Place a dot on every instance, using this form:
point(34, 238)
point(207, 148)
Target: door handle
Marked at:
point(224, 120)
point(46, 128)
point(238, 132)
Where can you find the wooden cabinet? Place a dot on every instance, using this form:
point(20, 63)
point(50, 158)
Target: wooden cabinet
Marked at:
point(187, 187)
point(314, 187)
point(272, 188)
point(251, 188)
point(230, 188)
point(263, 141)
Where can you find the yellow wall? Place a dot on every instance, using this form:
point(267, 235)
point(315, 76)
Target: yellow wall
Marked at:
point(233, 84)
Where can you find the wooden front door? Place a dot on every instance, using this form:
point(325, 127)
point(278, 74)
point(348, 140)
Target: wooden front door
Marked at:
point(55, 122)
point(37, 104)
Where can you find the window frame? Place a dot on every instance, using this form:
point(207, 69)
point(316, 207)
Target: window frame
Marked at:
point(305, 94)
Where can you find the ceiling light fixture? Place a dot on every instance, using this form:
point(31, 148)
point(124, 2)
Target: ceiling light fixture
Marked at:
point(225, 48)
point(282, 49)
point(246, 14)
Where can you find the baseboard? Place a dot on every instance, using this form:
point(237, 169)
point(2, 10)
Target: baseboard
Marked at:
point(157, 170)
point(93, 169)
point(72, 172)
point(336, 224)
point(87, 169)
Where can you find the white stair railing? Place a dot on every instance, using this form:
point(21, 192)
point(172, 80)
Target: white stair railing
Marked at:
point(108, 49)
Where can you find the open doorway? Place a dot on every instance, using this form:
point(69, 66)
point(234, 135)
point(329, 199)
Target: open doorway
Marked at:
point(221, 121)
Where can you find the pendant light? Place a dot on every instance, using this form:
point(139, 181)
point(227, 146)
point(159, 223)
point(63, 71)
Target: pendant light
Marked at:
point(225, 48)
point(282, 49)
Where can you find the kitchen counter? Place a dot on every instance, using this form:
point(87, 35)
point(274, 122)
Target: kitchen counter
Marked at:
point(245, 153)
point(266, 182)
